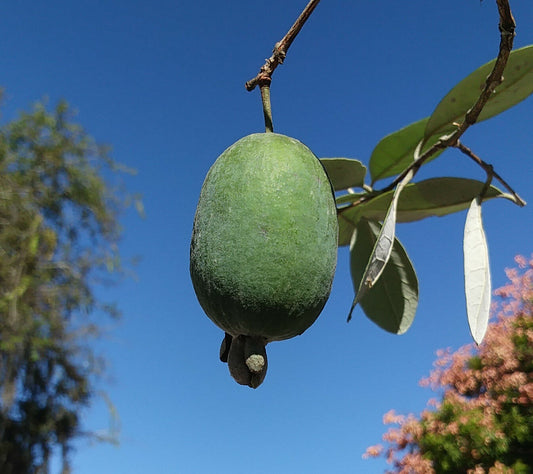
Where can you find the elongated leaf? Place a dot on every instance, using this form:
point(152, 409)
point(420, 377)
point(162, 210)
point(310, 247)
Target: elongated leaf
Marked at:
point(395, 152)
point(383, 246)
point(477, 272)
point(516, 86)
point(428, 198)
point(391, 303)
point(344, 173)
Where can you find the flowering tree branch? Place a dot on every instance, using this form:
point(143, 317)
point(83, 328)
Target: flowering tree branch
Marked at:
point(482, 419)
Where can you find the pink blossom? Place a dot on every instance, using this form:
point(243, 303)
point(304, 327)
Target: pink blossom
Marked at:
point(476, 390)
point(373, 451)
point(521, 261)
point(392, 418)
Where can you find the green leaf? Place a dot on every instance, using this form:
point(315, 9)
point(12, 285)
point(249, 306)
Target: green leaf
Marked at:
point(348, 216)
point(516, 86)
point(33, 245)
point(383, 246)
point(395, 152)
point(19, 290)
point(391, 303)
point(347, 225)
point(428, 198)
point(477, 272)
point(344, 173)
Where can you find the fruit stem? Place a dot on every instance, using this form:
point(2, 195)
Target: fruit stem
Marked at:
point(267, 108)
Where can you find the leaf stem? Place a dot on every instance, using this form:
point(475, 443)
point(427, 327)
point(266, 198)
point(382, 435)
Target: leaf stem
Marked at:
point(489, 169)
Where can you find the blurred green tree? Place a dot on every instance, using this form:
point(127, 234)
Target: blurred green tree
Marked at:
point(484, 421)
point(59, 232)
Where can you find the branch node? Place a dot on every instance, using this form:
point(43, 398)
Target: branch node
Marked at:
point(279, 52)
point(506, 27)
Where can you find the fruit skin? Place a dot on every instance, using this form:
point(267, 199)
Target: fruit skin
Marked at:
point(264, 243)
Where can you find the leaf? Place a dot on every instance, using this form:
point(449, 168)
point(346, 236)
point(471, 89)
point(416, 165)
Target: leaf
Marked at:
point(428, 198)
point(383, 246)
point(391, 303)
point(347, 225)
point(33, 245)
point(395, 152)
point(344, 173)
point(477, 272)
point(19, 290)
point(516, 86)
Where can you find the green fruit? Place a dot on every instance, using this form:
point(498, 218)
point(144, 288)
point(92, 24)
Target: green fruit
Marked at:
point(264, 243)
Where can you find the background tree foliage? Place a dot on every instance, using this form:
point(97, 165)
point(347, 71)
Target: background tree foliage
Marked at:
point(58, 239)
point(484, 420)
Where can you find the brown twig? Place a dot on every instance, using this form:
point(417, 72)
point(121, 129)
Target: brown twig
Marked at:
point(489, 169)
point(507, 27)
point(507, 33)
point(264, 77)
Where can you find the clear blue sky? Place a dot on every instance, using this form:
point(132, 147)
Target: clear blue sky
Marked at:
point(162, 82)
